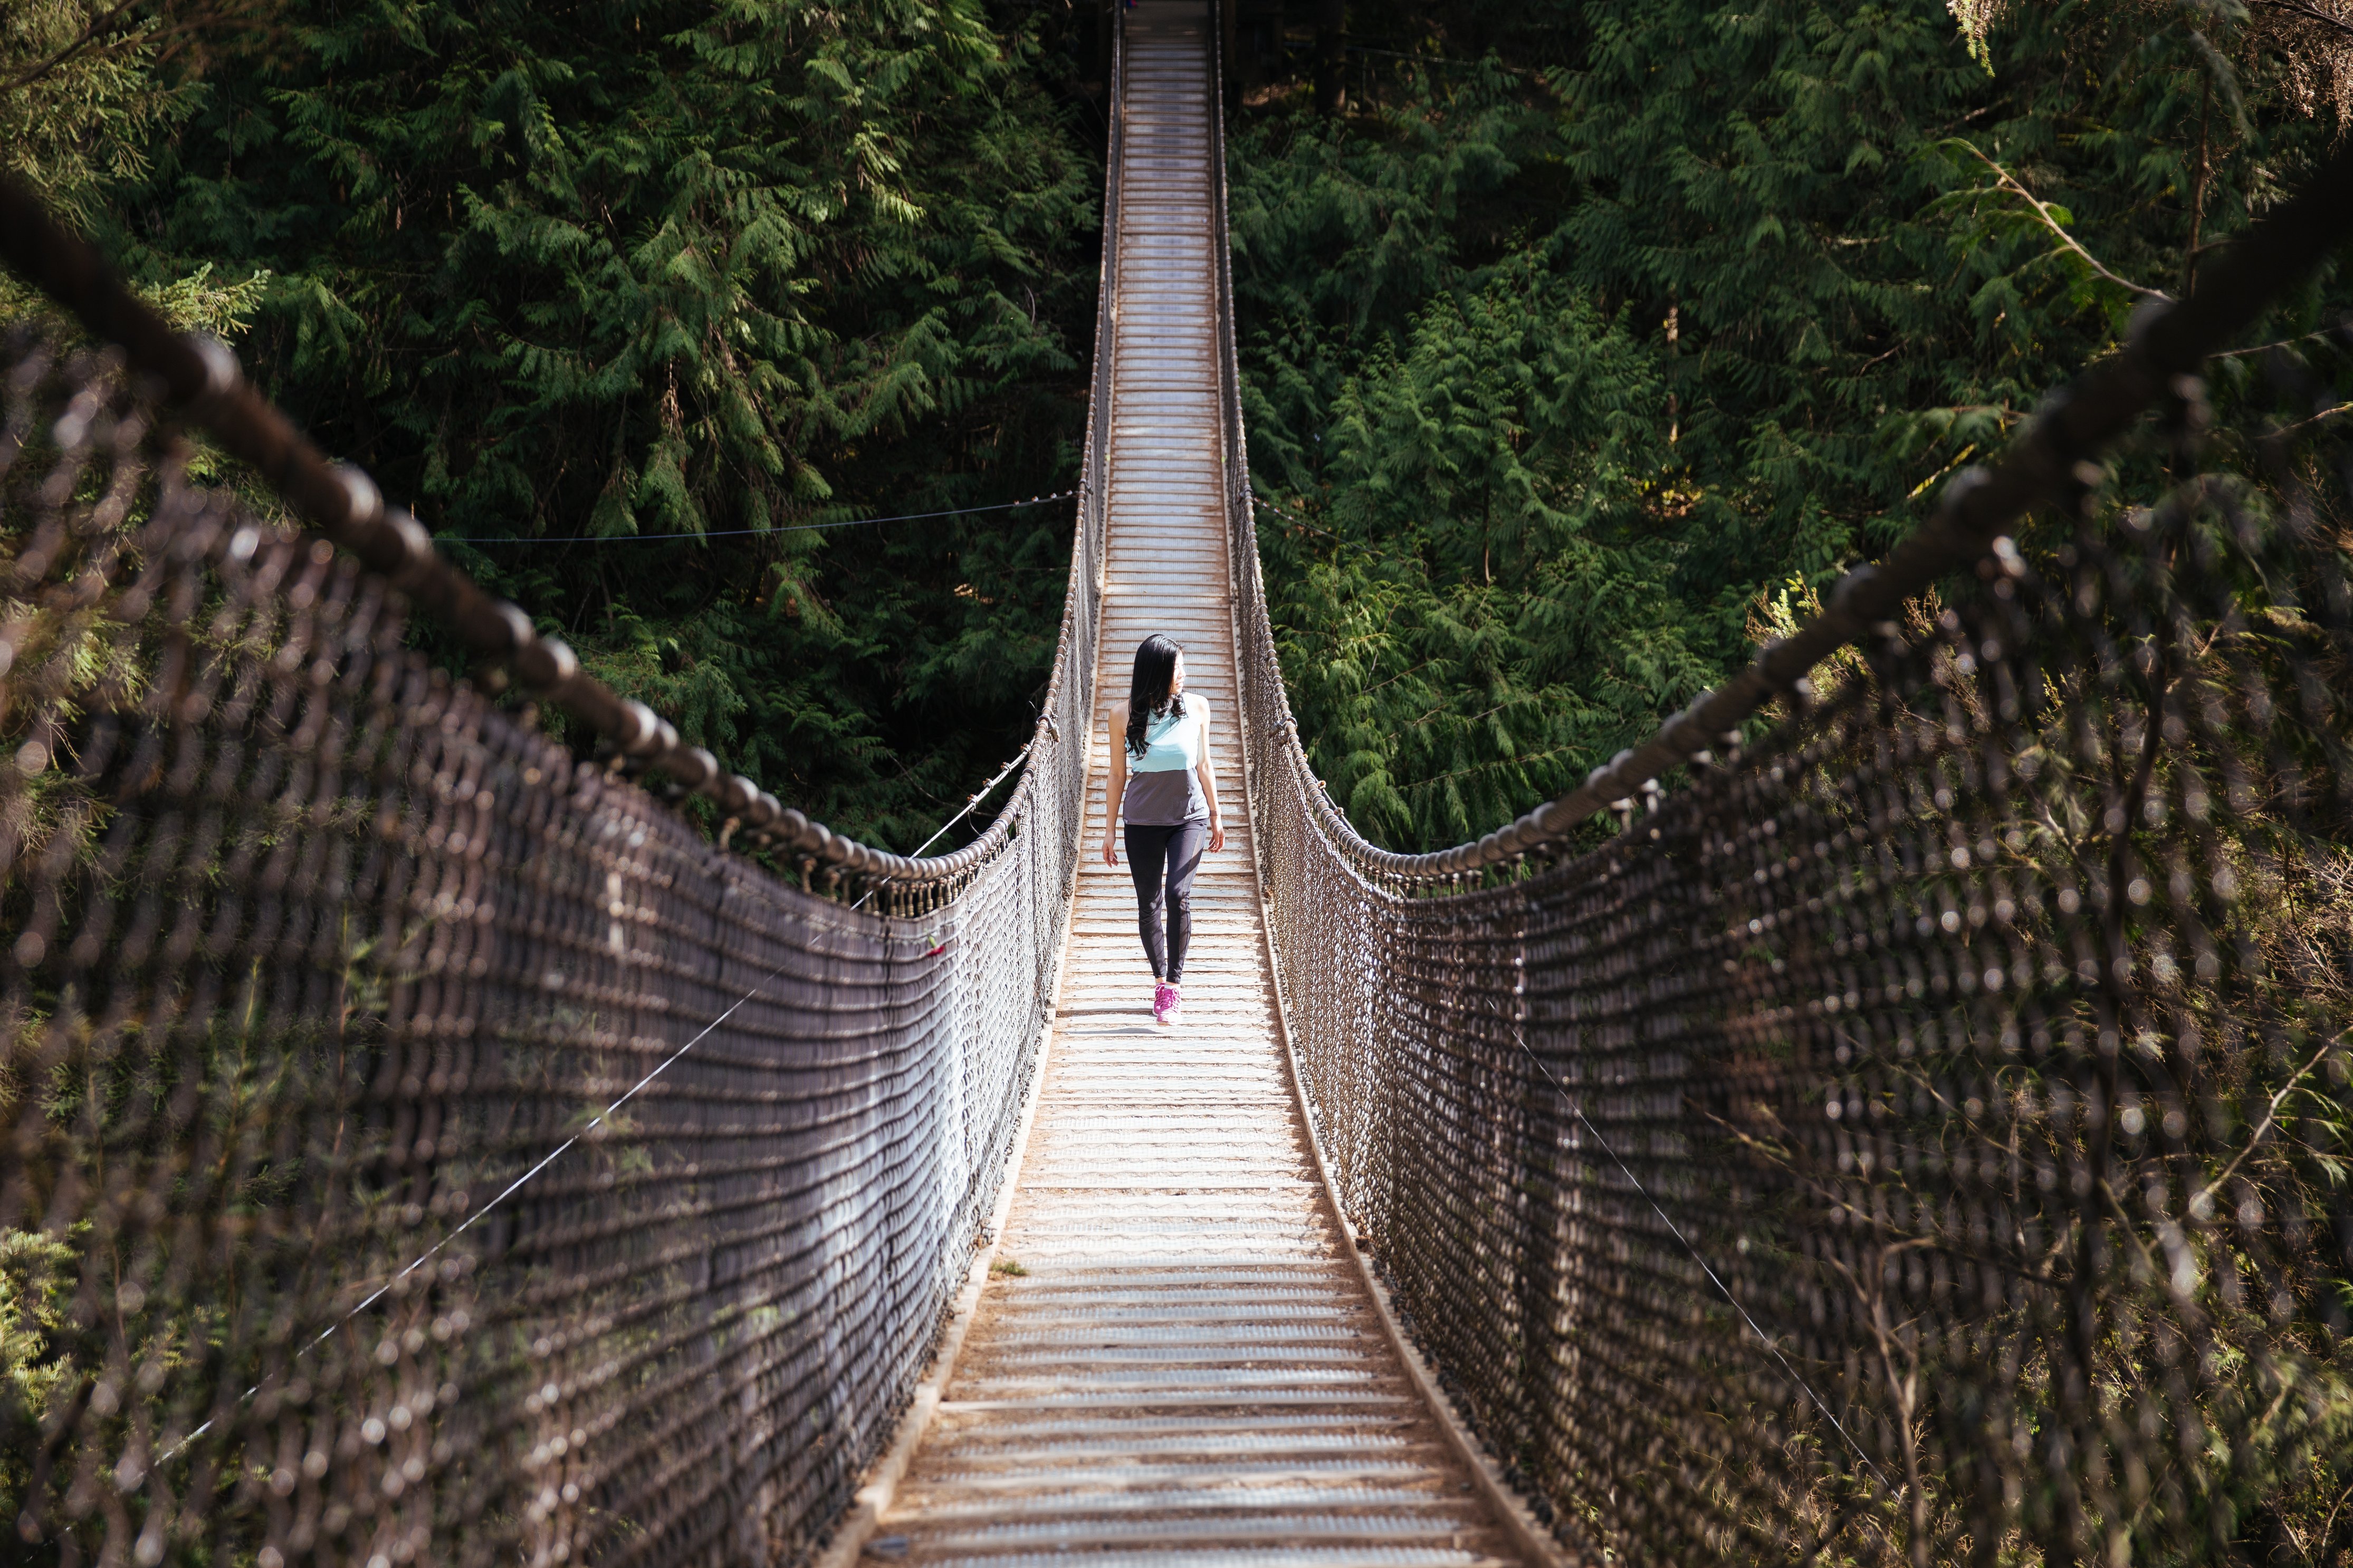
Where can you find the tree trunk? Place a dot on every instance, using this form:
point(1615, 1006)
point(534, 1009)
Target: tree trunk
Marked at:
point(1330, 53)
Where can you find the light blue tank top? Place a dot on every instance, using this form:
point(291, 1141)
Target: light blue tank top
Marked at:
point(1171, 742)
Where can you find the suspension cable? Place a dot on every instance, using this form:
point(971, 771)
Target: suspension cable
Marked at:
point(1578, 1110)
point(745, 533)
point(512, 1188)
point(978, 797)
point(1258, 500)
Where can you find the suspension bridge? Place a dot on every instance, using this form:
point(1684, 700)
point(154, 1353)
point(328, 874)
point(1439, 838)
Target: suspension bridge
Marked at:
point(1892, 1115)
point(1192, 1367)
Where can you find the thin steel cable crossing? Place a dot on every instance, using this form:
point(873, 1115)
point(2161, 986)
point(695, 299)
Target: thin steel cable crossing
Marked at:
point(745, 533)
point(401, 1274)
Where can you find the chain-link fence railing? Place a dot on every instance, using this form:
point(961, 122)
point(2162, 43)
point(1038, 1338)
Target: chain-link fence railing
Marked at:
point(423, 1144)
point(1923, 1134)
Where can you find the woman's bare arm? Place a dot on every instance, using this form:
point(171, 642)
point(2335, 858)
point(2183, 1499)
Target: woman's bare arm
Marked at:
point(1206, 772)
point(1118, 783)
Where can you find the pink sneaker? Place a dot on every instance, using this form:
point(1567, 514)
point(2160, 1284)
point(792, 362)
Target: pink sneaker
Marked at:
point(1165, 1003)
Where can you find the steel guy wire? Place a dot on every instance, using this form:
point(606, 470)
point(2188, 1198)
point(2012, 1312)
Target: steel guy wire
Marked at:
point(1577, 1109)
point(746, 532)
point(511, 1188)
point(978, 795)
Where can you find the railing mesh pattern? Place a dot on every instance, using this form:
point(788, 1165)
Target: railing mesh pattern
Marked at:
point(1925, 1133)
point(423, 1144)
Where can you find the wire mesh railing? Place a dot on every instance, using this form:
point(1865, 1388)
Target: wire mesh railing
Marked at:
point(1924, 1134)
point(423, 1144)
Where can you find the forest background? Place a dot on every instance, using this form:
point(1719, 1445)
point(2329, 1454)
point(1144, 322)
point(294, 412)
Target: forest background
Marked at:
point(1581, 341)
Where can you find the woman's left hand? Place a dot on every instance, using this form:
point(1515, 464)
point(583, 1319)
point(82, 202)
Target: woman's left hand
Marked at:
point(1217, 836)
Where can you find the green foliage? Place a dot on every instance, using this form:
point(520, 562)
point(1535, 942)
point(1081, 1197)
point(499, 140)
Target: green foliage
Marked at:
point(1519, 600)
point(82, 100)
point(73, 117)
point(37, 1276)
point(1579, 350)
point(672, 270)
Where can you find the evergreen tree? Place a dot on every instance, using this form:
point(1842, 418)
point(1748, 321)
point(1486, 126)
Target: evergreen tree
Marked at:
point(1587, 350)
point(85, 89)
point(692, 277)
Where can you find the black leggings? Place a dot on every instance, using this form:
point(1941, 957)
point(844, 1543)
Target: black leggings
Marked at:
point(1173, 853)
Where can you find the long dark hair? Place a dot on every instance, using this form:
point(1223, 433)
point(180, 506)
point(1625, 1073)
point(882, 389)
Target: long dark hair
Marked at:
point(1148, 693)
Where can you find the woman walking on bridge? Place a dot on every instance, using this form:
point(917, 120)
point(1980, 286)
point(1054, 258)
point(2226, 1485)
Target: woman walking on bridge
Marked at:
point(1161, 782)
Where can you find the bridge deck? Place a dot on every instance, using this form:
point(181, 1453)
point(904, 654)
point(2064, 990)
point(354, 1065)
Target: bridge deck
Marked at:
point(1189, 1374)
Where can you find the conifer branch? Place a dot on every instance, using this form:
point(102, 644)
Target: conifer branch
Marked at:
point(2043, 213)
point(98, 27)
point(1493, 764)
point(2308, 12)
point(118, 24)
